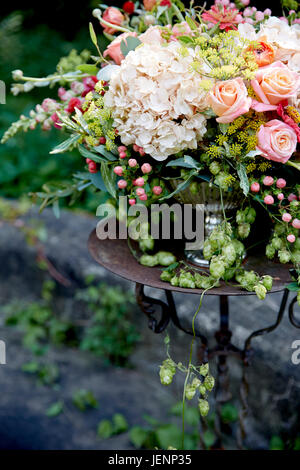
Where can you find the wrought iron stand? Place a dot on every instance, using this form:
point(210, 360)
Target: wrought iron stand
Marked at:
point(125, 265)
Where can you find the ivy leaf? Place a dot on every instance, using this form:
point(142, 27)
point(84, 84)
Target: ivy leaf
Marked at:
point(293, 286)
point(244, 182)
point(66, 144)
point(108, 177)
point(129, 44)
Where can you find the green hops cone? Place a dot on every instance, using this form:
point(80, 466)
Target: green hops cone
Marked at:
point(203, 407)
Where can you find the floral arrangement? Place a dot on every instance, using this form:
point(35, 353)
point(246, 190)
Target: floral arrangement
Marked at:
point(189, 95)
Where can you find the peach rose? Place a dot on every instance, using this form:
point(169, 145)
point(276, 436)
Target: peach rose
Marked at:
point(114, 48)
point(149, 4)
point(229, 99)
point(114, 16)
point(273, 84)
point(277, 141)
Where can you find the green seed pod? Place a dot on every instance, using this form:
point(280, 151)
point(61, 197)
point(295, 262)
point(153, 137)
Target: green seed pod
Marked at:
point(148, 260)
point(166, 276)
point(209, 382)
point(267, 282)
point(277, 243)
point(217, 267)
point(146, 244)
point(250, 214)
point(190, 392)
point(204, 369)
point(175, 281)
point(186, 282)
point(260, 291)
point(165, 258)
point(166, 376)
point(203, 407)
point(244, 230)
point(284, 256)
point(270, 251)
point(194, 187)
point(215, 168)
point(196, 382)
point(240, 217)
point(229, 253)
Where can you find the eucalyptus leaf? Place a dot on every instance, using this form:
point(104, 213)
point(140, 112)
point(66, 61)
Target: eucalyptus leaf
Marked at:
point(66, 144)
point(88, 68)
point(108, 177)
point(294, 164)
point(186, 162)
point(105, 153)
point(244, 181)
point(88, 154)
point(97, 181)
point(293, 286)
point(185, 39)
point(129, 44)
point(93, 34)
point(181, 187)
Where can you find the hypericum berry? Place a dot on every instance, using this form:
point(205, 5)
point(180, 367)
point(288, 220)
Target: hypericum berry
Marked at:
point(118, 170)
point(146, 168)
point(132, 202)
point(132, 162)
point(122, 148)
point(142, 152)
point(128, 7)
point(140, 181)
point(122, 155)
point(291, 238)
point(88, 160)
point(157, 190)
point(268, 180)
point(280, 196)
point(269, 199)
point(139, 192)
point(122, 184)
point(255, 187)
point(102, 140)
point(144, 197)
point(93, 167)
point(281, 183)
point(296, 223)
point(136, 148)
point(292, 197)
point(286, 217)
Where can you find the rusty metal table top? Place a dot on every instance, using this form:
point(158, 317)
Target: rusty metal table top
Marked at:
point(115, 256)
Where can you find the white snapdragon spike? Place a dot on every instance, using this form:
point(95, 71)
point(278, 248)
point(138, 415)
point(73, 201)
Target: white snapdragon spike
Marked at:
point(156, 100)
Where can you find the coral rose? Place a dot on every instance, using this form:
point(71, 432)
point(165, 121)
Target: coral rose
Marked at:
point(229, 99)
point(114, 48)
point(273, 84)
point(277, 141)
point(114, 16)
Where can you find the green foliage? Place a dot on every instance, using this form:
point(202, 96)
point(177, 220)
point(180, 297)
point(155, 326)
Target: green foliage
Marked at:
point(55, 409)
point(111, 333)
point(107, 429)
point(276, 443)
point(84, 399)
point(46, 373)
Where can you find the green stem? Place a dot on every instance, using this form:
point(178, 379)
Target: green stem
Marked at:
point(178, 13)
point(113, 26)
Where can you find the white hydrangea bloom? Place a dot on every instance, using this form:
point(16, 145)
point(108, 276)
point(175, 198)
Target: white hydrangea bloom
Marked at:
point(156, 100)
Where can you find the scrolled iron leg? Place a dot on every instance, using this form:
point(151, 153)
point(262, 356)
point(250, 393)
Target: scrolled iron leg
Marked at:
point(292, 318)
point(147, 305)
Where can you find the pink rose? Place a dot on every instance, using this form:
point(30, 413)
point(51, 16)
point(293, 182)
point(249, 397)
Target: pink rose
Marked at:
point(114, 16)
point(229, 99)
point(273, 84)
point(151, 36)
point(114, 48)
point(277, 141)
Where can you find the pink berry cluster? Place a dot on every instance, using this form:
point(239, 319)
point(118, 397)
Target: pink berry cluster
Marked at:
point(286, 201)
point(133, 176)
point(92, 166)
